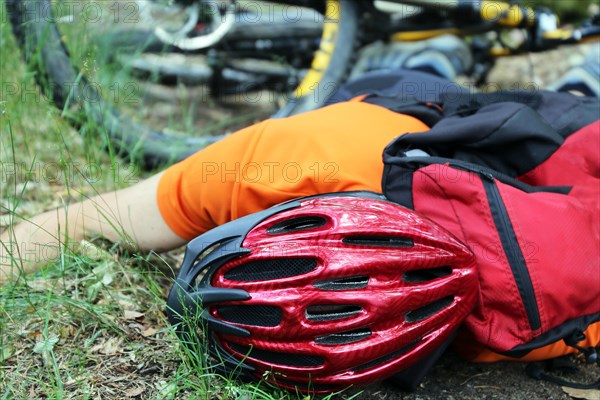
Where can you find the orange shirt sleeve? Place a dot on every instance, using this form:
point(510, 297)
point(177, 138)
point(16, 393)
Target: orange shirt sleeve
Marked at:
point(333, 149)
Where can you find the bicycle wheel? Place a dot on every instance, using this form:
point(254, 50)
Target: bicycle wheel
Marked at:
point(125, 110)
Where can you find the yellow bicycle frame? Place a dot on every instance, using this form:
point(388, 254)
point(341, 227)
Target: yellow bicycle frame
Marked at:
point(325, 52)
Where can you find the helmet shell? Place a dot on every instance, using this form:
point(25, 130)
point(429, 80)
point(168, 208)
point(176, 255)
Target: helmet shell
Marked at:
point(326, 292)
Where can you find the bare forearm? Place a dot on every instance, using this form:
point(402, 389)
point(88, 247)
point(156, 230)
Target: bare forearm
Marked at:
point(128, 216)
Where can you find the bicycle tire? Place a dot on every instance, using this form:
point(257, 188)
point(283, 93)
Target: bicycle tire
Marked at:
point(40, 40)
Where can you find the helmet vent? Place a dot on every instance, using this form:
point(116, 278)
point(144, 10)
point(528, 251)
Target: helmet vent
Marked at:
point(273, 268)
point(426, 275)
point(297, 224)
point(378, 241)
point(388, 357)
point(272, 357)
point(351, 282)
point(344, 337)
point(331, 312)
point(250, 315)
point(427, 311)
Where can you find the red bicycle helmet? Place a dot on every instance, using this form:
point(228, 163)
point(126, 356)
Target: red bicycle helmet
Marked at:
point(325, 292)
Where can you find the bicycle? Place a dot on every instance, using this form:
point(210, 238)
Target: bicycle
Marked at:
point(85, 98)
point(347, 26)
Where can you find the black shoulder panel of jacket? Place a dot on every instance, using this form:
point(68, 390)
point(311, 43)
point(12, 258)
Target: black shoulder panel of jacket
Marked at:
point(511, 138)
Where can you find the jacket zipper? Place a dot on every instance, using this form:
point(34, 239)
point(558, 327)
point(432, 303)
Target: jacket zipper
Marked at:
point(513, 252)
point(414, 163)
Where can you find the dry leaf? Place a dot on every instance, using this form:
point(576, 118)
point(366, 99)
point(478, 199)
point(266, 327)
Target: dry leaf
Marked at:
point(70, 382)
point(585, 394)
point(134, 392)
point(90, 250)
point(131, 315)
point(67, 331)
point(40, 285)
point(127, 303)
point(109, 347)
point(149, 332)
point(35, 335)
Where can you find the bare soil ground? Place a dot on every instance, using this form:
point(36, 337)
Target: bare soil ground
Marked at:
point(453, 378)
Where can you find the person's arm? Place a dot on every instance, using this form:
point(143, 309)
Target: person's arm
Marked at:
point(129, 216)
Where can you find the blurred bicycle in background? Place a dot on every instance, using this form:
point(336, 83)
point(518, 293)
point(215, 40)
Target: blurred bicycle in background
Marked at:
point(159, 79)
